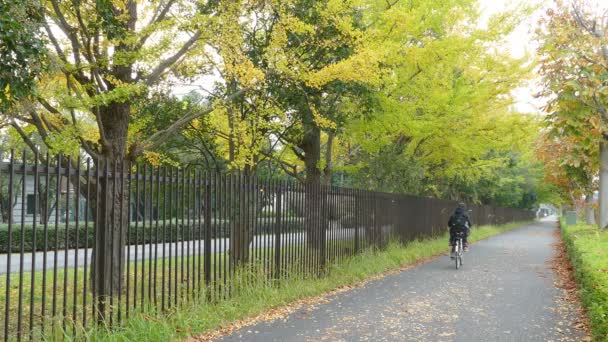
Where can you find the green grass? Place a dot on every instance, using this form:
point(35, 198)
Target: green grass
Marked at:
point(75, 293)
point(588, 252)
point(251, 294)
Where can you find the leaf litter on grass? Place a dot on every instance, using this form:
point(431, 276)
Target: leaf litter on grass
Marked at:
point(569, 304)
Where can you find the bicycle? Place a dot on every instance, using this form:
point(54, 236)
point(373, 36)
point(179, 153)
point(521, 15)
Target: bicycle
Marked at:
point(458, 250)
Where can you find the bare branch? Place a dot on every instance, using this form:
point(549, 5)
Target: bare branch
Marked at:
point(102, 132)
point(24, 136)
point(55, 43)
point(170, 61)
point(600, 107)
point(68, 30)
point(161, 136)
point(157, 19)
point(298, 153)
point(89, 148)
point(48, 106)
point(284, 166)
point(39, 125)
point(580, 20)
point(132, 9)
point(389, 4)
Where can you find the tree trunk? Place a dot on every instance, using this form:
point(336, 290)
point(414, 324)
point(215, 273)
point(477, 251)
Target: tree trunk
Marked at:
point(328, 155)
point(5, 208)
point(589, 210)
point(245, 213)
point(110, 209)
point(603, 195)
point(44, 201)
point(314, 218)
point(110, 215)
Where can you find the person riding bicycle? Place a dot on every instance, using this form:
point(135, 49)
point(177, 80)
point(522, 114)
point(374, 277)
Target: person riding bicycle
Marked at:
point(459, 222)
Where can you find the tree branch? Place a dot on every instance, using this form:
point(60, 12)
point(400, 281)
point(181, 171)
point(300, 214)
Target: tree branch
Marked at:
point(48, 106)
point(389, 4)
point(39, 125)
point(24, 136)
point(170, 61)
point(69, 31)
point(55, 43)
point(298, 154)
point(157, 19)
point(580, 20)
point(161, 136)
point(283, 164)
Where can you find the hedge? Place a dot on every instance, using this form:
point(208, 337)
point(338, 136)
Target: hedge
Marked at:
point(588, 252)
point(173, 232)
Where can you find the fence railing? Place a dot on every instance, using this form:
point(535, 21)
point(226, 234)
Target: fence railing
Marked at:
point(83, 245)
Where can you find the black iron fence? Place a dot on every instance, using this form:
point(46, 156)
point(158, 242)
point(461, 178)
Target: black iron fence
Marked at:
point(83, 245)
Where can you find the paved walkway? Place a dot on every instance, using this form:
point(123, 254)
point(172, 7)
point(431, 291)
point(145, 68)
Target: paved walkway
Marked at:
point(504, 292)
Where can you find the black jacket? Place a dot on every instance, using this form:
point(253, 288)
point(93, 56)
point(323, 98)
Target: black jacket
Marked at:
point(457, 213)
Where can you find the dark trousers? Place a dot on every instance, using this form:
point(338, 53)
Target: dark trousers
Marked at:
point(453, 235)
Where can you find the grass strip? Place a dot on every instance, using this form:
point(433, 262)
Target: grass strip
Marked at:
point(249, 299)
point(587, 248)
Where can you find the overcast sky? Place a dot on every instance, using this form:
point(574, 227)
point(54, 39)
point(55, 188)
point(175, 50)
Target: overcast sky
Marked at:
point(520, 43)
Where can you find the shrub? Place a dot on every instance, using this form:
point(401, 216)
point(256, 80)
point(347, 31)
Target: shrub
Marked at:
point(136, 234)
point(588, 252)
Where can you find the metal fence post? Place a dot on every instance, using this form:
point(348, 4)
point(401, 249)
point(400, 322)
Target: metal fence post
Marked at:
point(357, 217)
point(277, 234)
point(207, 252)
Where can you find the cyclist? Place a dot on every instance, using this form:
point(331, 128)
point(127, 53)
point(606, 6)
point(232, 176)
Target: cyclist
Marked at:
point(459, 222)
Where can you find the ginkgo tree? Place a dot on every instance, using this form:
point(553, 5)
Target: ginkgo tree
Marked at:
point(102, 56)
point(444, 111)
point(298, 79)
point(22, 50)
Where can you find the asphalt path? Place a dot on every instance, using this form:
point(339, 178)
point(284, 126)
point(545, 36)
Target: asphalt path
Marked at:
point(504, 292)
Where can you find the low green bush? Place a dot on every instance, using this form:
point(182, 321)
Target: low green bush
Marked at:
point(588, 252)
point(81, 236)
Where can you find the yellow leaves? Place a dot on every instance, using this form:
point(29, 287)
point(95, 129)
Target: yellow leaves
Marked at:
point(363, 67)
point(7, 93)
point(236, 63)
point(153, 158)
point(321, 121)
point(90, 133)
point(244, 71)
point(336, 12)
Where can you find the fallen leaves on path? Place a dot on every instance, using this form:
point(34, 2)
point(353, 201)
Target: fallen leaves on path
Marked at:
point(564, 280)
point(285, 310)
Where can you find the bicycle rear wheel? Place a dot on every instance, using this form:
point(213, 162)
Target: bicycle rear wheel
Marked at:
point(458, 252)
point(461, 254)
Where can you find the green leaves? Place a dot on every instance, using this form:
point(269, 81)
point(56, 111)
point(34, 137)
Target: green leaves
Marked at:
point(22, 49)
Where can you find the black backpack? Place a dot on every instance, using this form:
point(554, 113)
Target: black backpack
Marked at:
point(461, 222)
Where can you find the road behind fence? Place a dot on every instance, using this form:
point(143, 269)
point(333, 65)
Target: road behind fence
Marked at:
point(81, 245)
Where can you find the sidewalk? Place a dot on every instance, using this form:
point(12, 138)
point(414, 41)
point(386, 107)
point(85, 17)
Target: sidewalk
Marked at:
point(504, 292)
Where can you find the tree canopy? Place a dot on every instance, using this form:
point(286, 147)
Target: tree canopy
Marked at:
point(407, 96)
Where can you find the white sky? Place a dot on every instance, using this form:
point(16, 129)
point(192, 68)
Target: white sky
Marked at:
point(520, 43)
